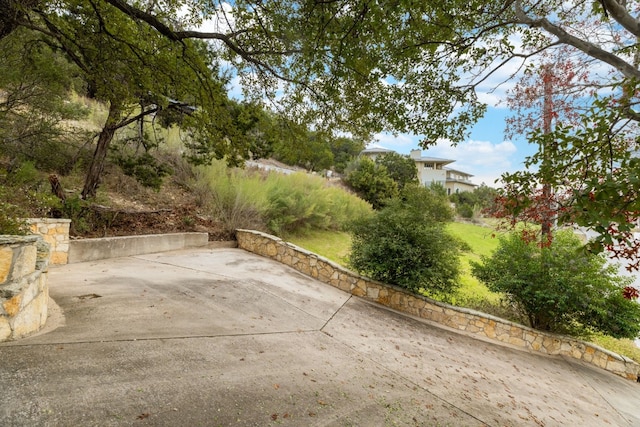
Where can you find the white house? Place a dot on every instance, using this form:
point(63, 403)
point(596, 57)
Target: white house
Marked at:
point(431, 170)
point(434, 170)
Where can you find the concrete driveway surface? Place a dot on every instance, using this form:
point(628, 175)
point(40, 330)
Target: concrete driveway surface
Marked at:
point(222, 337)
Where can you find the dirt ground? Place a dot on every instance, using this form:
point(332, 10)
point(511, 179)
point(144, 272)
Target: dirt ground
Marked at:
point(125, 208)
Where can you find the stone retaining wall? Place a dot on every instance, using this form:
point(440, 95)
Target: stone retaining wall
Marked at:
point(56, 233)
point(472, 322)
point(24, 293)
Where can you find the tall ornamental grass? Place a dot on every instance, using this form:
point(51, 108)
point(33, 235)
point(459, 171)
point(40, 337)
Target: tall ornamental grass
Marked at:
point(274, 202)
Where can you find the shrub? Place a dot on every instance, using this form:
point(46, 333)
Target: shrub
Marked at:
point(471, 203)
point(298, 205)
point(372, 182)
point(144, 167)
point(76, 210)
point(25, 193)
point(271, 201)
point(10, 216)
point(560, 288)
point(406, 244)
point(301, 202)
point(465, 211)
point(25, 174)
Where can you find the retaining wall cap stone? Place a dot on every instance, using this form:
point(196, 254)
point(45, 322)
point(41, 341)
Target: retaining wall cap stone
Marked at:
point(8, 239)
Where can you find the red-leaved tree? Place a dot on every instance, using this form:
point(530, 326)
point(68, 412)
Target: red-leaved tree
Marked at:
point(557, 106)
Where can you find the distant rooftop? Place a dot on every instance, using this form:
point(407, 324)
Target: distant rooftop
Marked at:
point(376, 149)
point(417, 156)
point(432, 160)
point(457, 171)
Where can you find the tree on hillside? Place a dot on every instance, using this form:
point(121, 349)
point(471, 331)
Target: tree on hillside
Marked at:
point(154, 77)
point(298, 146)
point(401, 168)
point(313, 150)
point(345, 150)
point(250, 132)
point(143, 78)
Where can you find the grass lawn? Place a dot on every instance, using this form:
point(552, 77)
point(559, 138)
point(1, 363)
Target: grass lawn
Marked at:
point(333, 245)
point(336, 246)
point(480, 239)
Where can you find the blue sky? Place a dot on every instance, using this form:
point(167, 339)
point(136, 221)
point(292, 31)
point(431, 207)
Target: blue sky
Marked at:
point(486, 154)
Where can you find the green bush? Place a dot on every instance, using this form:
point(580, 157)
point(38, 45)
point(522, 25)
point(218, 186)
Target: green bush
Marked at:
point(406, 244)
point(145, 168)
point(299, 205)
point(465, 211)
point(77, 210)
point(372, 182)
point(25, 174)
point(302, 202)
point(25, 192)
point(236, 198)
point(11, 221)
point(472, 203)
point(560, 288)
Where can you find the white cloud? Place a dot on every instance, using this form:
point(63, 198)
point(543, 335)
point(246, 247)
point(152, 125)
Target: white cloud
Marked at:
point(400, 143)
point(221, 20)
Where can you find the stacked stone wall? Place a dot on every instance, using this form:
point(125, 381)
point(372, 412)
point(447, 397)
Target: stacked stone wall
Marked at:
point(55, 232)
point(470, 321)
point(24, 293)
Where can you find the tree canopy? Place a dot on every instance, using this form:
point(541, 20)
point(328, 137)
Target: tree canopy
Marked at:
point(363, 67)
point(336, 64)
point(342, 65)
point(401, 168)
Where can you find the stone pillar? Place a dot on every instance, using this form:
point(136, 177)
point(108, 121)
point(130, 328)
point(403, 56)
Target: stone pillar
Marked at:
point(24, 293)
point(55, 232)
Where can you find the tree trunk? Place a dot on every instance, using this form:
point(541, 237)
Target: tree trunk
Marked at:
point(547, 191)
point(92, 181)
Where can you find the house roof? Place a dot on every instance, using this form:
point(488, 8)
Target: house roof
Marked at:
point(376, 149)
point(458, 171)
point(432, 160)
